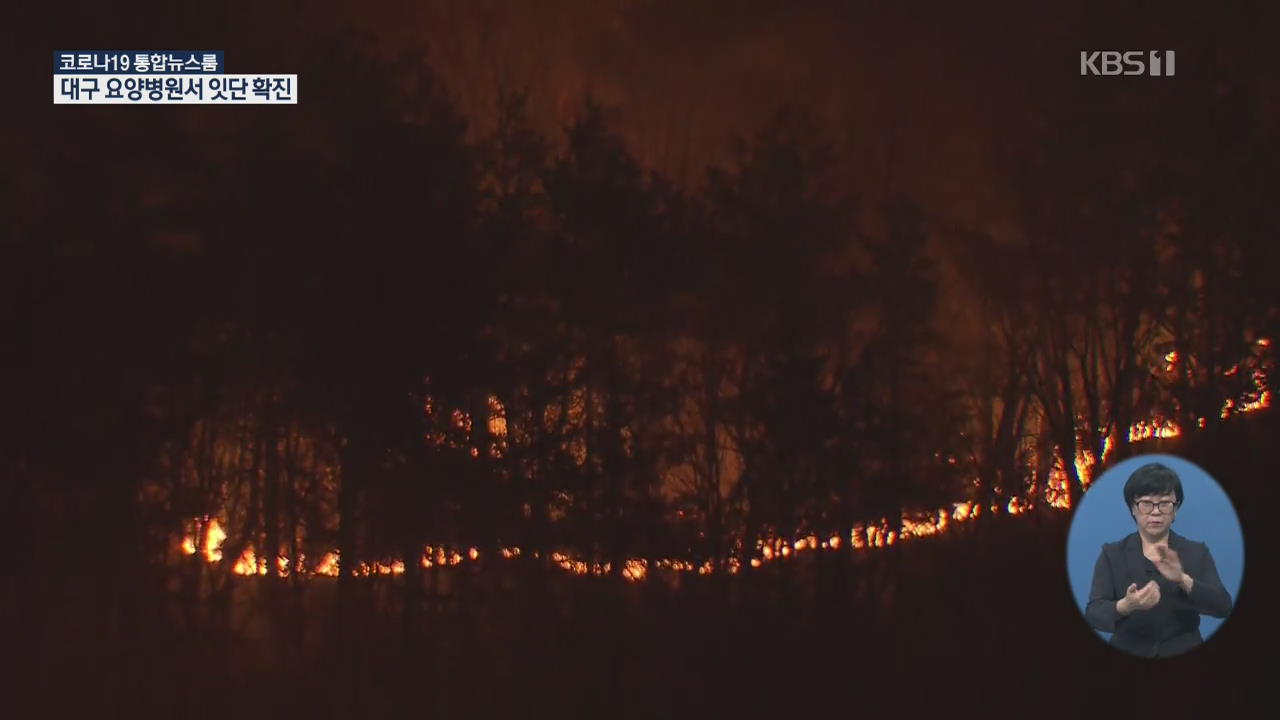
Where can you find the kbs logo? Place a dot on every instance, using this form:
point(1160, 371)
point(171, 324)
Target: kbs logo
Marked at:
point(1134, 62)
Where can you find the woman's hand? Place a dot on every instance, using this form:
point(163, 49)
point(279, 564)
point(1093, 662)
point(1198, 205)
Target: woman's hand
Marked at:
point(1138, 599)
point(1168, 564)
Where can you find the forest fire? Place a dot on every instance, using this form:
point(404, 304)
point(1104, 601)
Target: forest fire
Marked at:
point(328, 565)
point(213, 534)
point(248, 564)
point(631, 358)
point(1159, 429)
point(206, 536)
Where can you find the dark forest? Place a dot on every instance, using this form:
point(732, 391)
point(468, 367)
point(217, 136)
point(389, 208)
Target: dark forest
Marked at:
point(474, 387)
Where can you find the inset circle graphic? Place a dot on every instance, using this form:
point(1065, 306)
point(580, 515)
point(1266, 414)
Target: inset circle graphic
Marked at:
point(1106, 556)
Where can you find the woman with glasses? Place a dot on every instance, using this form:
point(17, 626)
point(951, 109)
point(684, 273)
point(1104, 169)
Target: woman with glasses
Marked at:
point(1150, 588)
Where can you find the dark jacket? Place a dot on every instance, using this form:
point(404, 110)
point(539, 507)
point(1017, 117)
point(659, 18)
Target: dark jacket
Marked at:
point(1173, 625)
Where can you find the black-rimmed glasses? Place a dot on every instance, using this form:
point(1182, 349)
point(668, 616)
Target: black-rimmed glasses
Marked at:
point(1146, 506)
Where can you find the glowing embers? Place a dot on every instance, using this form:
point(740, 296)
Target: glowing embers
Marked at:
point(247, 563)
point(251, 562)
point(1263, 401)
point(806, 543)
point(1155, 428)
point(1057, 492)
point(1058, 488)
point(1257, 365)
point(206, 536)
point(1017, 506)
point(930, 524)
point(879, 536)
point(635, 569)
point(1086, 462)
point(213, 538)
point(328, 565)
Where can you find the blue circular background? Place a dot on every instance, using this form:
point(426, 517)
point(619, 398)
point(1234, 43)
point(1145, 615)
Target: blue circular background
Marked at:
point(1206, 516)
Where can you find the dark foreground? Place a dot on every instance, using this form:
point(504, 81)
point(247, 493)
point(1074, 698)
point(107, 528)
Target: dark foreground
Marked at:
point(977, 621)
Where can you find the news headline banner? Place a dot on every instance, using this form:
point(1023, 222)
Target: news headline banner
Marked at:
point(152, 62)
point(181, 77)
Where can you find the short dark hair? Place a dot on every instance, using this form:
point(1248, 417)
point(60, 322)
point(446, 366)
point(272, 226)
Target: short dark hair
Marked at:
point(1152, 479)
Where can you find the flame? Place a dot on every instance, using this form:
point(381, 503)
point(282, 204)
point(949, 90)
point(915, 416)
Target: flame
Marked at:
point(1084, 462)
point(395, 567)
point(876, 534)
point(497, 417)
point(214, 536)
point(1263, 401)
point(328, 564)
point(1156, 428)
point(247, 563)
point(917, 527)
point(635, 569)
